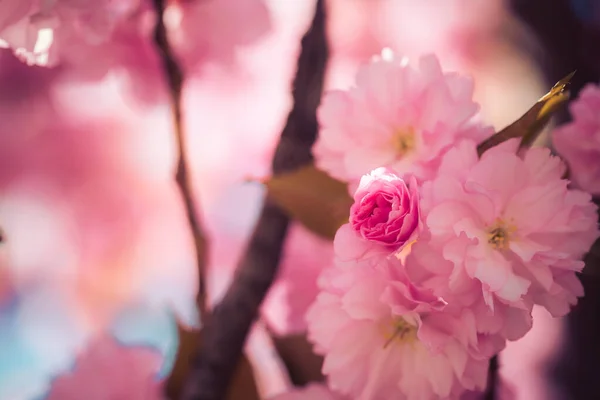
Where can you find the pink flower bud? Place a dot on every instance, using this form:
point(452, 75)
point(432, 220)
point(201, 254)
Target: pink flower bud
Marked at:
point(386, 209)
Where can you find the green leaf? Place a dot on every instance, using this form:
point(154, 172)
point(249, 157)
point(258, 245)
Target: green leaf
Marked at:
point(531, 124)
point(312, 197)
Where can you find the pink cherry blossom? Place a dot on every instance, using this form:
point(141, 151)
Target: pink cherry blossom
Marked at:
point(107, 370)
point(383, 338)
point(427, 268)
point(398, 116)
point(578, 142)
point(505, 230)
point(313, 391)
point(385, 209)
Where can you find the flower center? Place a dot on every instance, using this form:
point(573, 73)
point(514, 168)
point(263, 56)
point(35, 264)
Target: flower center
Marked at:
point(404, 141)
point(400, 331)
point(499, 235)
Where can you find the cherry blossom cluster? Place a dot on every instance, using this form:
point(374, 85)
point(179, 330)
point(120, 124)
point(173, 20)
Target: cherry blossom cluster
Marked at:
point(446, 250)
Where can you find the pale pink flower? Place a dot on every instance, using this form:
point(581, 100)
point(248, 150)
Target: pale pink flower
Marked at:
point(383, 338)
point(508, 226)
point(107, 370)
point(578, 141)
point(398, 116)
point(313, 391)
point(386, 209)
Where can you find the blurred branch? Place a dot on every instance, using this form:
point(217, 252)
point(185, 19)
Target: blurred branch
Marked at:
point(492, 386)
point(225, 333)
point(175, 77)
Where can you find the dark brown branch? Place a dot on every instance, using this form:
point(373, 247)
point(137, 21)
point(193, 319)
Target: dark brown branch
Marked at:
point(492, 386)
point(225, 333)
point(174, 76)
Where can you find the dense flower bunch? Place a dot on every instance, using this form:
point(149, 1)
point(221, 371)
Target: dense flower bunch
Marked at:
point(446, 250)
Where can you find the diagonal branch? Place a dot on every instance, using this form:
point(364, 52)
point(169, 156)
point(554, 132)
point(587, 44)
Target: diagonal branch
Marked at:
point(174, 76)
point(225, 333)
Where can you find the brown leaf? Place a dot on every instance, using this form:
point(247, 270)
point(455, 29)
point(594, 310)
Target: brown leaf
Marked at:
point(531, 124)
point(243, 386)
point(312, 197)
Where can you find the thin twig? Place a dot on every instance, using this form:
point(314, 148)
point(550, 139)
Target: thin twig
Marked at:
point(175, 78)
point(225, 334)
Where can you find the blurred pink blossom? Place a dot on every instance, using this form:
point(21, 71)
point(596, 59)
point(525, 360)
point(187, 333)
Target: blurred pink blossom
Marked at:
point(89, 183)
point(296, 286)
point(212, 30)
point(92, 22)
point(524, 364)
point(107, 370)
point(578, 142)
point(457, 30)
